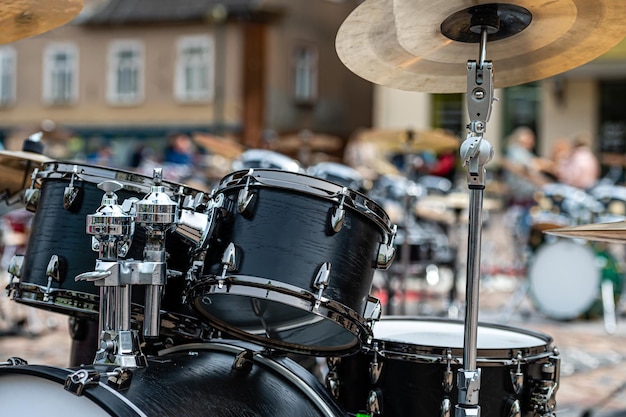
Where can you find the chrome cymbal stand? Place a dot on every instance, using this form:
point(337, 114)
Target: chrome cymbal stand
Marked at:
point(475, 153)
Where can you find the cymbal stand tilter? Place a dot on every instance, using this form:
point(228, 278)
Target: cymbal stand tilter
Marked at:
point(475, 153)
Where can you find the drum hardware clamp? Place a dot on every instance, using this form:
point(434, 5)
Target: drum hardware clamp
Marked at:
point(78, 381)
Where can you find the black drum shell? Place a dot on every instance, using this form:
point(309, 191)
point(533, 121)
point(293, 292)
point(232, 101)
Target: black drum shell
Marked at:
point(284, 237)
point(199, 381)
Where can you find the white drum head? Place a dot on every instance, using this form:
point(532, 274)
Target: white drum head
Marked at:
point(27, 395)
point(564, 279)
point(448, 334)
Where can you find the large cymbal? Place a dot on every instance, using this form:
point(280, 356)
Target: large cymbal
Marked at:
point(409, 140)
point(614, 232)
point(401, 43)
point(16, 168)
point(21, 19)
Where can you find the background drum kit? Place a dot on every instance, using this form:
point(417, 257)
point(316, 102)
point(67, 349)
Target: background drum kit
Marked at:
point(202, 301)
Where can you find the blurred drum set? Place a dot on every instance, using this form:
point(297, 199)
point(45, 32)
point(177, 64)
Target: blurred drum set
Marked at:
point(202, 302)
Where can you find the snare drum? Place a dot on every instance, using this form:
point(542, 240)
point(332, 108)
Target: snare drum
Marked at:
point(290, 262)
point(565, 278)
point(216, 379)
point(410, 369)
point(68, 193)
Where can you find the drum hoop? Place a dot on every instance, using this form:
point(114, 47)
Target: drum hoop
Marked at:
point(437, 354)
point(307, 184)
point(278, 365)
point(94, 174)
point(36, 294)
point(290, 295)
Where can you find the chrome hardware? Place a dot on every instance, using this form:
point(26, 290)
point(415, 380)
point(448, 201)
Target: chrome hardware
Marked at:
point(446, 408)
point(515, 410)
point(245, 197)
point(14, 361)
point(332, 379)
point(543, 391)
point(78, 381)
point(338, 214)
point(375, 368)
point(229, 262)
point(32, 194)
point(243, 361)
point(70, 193)
point(375, 403)
point(517, 377)
point(321, 282)
point(448, 375)
point(53, 273)
point(469, 386)
point(15, 271)
point(387, 250)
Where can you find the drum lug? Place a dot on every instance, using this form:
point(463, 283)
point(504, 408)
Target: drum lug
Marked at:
point(53, 272)
point(229, 262)
point(375, 368)
point(387, 250)
point(517, 376)
point(32, 194)
point(448, 375)
point(70, 195)
point(321, 282)
point(375, 403)
point(332, 380)
point(14, 361)
point(246, 198)
point(446, 408)
point(338, 214)
point(515, 410)
point(243, 361)
point(15, 271)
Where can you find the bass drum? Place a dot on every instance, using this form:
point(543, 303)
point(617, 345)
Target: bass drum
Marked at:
point(197, 380)
point(565, 278)
point(411, 367)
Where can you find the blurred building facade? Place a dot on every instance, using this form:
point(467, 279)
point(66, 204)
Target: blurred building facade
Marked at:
point(129, 71)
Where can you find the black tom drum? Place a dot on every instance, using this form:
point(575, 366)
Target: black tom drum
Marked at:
point(290, 261)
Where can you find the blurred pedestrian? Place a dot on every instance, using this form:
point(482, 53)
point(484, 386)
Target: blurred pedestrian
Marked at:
point(580, 168)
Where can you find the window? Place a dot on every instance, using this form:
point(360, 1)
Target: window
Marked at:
point(125, 77)
point(305, 73)
point(60, 83)
point(195, 60)
point(7, 75)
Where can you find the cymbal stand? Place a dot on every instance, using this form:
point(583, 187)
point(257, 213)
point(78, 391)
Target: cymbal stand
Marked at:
point(475, 153)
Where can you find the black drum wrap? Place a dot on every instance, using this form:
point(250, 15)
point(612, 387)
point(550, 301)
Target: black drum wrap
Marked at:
point(198, 380)
point(60, 231)
point(282, 240)
point(412, 373)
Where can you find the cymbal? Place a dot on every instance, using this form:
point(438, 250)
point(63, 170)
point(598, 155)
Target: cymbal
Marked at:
point(614, 232)
point(225, 147)
point(316, 142)
point(25, 18)
point(421, 45)
point(409, 140)
point(16, 168)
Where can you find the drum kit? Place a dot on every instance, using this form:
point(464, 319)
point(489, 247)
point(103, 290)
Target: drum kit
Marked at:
point(199, 297)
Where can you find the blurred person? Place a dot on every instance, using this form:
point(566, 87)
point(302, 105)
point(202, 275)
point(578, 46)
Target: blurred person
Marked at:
point(580, 168)
point(179, 150)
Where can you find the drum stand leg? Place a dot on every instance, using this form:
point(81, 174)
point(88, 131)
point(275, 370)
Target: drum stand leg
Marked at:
point(608, 307)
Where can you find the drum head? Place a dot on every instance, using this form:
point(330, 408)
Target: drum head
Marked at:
point(422, 335)
point(564, 279)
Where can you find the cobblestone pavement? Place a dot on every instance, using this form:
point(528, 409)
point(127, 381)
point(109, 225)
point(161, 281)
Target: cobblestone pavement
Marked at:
point(593, 361)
